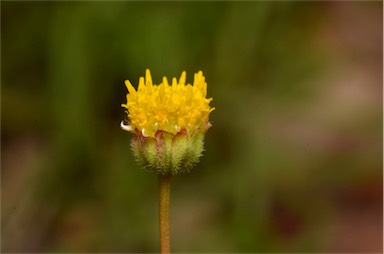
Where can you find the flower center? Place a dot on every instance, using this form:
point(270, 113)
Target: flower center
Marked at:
point(169, 108)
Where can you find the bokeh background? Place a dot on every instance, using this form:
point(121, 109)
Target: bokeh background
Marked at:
point(293, 162)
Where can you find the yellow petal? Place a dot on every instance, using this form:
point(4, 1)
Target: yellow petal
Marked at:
point(148, 78)
point(182, 78)
point(130, 88)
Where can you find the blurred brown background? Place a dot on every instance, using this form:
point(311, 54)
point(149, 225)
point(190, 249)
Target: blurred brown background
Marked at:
point(293, 162)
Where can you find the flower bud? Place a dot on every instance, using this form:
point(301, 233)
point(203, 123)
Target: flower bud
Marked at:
point(169, 123)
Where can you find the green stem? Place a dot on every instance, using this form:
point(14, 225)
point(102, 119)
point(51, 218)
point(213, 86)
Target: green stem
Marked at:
point(165, 191)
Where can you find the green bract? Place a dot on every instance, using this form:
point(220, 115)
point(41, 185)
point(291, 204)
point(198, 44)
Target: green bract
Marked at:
point(167, 153)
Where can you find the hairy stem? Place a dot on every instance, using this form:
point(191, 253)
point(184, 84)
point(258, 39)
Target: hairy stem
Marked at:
point(164, 191)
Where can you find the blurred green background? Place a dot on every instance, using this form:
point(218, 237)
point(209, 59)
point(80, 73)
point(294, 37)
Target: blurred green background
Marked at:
point(293, 162)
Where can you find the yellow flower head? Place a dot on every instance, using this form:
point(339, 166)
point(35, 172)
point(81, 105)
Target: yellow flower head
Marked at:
point(170, 108)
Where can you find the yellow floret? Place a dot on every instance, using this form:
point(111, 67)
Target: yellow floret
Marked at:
point(169, 108)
